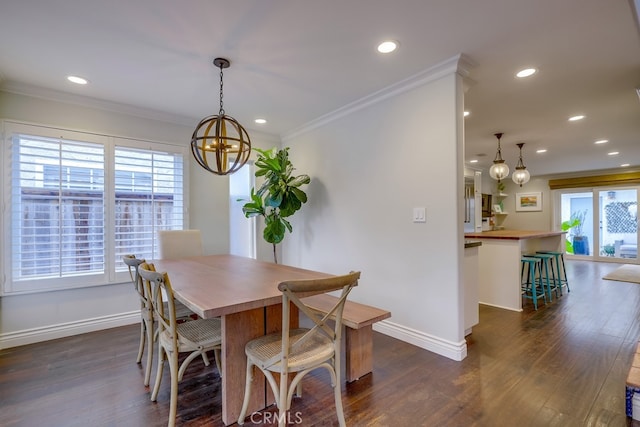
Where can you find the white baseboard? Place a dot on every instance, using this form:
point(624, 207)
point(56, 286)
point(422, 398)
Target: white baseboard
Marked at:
point(61, 330)
point(452, 350)
point(499, 306)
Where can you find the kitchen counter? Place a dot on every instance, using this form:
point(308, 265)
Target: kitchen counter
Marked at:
point(499, 262)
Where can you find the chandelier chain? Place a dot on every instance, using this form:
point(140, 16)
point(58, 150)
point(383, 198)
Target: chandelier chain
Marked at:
point(221, 113)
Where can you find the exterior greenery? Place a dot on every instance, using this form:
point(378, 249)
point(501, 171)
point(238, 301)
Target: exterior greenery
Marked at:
point(279, 196)
point(575, 222)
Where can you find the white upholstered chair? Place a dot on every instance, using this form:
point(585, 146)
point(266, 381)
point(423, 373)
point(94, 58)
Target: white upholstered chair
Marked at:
point(174, 244)
point(299, 351)
point(195, 337)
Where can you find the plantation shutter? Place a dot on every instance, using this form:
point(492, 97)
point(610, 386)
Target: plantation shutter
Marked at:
point(148, 197)
point(57, 208)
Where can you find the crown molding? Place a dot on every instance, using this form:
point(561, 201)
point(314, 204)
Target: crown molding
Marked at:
point(85, 101)
point(460, 64)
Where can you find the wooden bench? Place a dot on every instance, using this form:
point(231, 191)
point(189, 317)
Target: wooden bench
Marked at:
point(358, 320)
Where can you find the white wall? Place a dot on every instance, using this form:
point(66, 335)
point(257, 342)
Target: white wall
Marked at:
point(35, 317)
point(538, 220)
point(369, 168)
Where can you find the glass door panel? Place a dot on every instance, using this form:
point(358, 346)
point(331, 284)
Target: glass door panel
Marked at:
point(576, 216)
point(618, 223)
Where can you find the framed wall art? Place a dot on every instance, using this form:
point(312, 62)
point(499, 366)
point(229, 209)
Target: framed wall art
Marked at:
point(528, 202)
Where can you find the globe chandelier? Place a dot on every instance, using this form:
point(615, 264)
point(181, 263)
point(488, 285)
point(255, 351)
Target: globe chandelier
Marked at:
point(219, 143)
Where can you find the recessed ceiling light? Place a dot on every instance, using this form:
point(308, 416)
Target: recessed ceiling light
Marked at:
point(576, 118)
point(542, 150)
point(601, 141)
point(625, 165)
point(473, 161)
point(526, 72)
point(260, 121)
point(613, 153)
point(466, 113)
point(387, 46)
point(77, 80)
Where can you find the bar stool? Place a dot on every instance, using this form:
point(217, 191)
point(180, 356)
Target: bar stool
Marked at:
point(561, 279)
point(528, 282)
point(549, 276)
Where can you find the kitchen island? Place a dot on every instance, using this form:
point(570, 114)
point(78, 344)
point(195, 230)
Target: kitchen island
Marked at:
point(499, 262)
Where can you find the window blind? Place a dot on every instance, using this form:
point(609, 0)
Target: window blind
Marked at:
point(148, 197)
point(58, 207)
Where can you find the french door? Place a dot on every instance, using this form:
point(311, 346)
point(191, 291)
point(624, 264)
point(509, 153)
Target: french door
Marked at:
point(601, 223)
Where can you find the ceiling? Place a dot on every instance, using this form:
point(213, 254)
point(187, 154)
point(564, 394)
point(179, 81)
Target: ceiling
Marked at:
point(295, 61)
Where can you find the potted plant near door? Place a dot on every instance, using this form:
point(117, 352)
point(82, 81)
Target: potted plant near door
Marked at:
point(580, 241)
point(279, 196)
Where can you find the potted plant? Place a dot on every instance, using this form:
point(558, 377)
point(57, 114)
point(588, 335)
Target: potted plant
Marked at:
point(579, 243)
point(279, 196)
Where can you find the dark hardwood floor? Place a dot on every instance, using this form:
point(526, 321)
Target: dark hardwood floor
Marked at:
point(563, 365)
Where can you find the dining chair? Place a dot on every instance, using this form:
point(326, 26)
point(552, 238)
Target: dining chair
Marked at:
point(175, 244)
point(195, 337)
point(146, 316)
point(147, 331)
point(299, 351)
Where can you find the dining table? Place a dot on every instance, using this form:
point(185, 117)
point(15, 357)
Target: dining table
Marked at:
point(244, 293)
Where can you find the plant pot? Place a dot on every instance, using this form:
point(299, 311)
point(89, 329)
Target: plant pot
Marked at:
point(581, 245)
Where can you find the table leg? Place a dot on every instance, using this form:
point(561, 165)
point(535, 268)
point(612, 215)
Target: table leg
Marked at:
point(237, 330)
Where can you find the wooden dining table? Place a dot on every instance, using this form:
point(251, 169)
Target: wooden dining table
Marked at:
point(244, 293)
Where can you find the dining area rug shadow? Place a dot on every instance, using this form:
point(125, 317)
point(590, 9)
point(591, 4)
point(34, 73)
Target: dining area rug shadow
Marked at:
point(625, 273)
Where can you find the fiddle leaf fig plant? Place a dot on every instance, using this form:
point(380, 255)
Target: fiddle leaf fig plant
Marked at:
point(279, 196)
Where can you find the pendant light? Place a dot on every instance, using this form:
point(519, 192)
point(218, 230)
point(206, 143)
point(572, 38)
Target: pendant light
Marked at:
point(220, 144)
point(521, 175)
point(499, 170)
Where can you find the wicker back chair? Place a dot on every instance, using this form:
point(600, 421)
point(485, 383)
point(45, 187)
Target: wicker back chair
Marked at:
point(299, 351)
point(146, 315)
point(195, 337)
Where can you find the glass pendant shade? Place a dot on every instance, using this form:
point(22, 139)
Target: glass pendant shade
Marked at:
point(499, 170)
point(521, 175)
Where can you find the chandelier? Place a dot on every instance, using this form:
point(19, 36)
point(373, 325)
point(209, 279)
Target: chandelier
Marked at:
point(521, 175)
point(499, 170)
point(220, 144)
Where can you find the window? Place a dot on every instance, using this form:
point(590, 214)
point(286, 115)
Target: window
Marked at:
point(79, 202)
point(148, 198)
point(242, 230)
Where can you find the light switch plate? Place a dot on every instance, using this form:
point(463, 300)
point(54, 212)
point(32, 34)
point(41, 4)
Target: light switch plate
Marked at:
point(419, 215)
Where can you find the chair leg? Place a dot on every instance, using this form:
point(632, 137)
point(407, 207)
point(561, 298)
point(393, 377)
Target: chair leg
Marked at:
point(339, 410)
point(173, 405)
point(156, 386)
point(205, 358)
point(282, 400)
point(247, 393)
point(147, 370)
point(186, 363)
point(143, 334)
point(218, 355)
